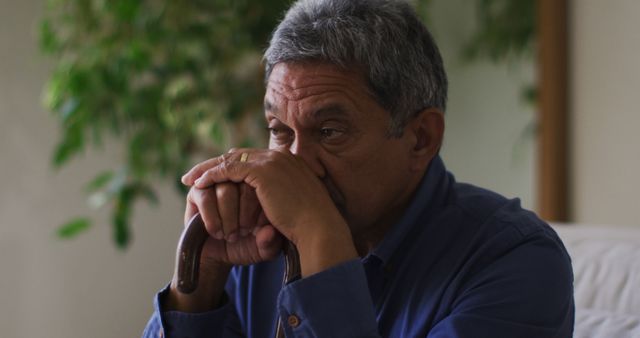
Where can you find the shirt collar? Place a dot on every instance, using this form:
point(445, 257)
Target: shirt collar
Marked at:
point(430, 192)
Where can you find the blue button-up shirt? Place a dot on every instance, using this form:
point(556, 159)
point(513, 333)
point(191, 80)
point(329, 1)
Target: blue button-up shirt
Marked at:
point(462, 262)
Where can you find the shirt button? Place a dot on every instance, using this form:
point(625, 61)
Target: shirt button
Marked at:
point(293, 321)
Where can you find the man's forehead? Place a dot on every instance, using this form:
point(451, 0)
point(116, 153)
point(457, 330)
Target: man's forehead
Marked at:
point(297, 80)
point(322, 111)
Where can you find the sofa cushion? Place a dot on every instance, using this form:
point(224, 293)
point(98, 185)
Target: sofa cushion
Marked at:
point(606, 265)
point(604, 324)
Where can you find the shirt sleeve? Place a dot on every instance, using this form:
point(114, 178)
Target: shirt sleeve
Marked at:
point(221, 322)
point(332, 303)
point(526, 293)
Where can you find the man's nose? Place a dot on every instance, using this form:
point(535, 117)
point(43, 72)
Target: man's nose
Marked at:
point(309, 154)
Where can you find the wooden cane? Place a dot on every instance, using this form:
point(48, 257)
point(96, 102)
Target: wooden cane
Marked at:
point(190, 247)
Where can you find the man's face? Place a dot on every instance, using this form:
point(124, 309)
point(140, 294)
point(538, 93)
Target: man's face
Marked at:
point(328, 117)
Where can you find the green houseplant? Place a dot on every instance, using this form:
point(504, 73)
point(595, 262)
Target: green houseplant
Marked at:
point(174, 81)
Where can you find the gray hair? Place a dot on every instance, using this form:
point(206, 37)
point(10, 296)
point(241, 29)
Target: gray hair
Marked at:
point(384, 39)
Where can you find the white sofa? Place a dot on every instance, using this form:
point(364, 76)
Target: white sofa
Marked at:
point(606, 265)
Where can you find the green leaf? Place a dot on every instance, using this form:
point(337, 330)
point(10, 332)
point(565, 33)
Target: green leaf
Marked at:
point(529, 94)
point(70, 145)
point(99, 181)
point(69, 109)
point(216, 133)
point(73, 228)
point(121, 231)
point(121, 215)
point(47, 38)
point(53, 97)
point(125, 10)
point(150, 196)
point(144, 190)
point(505, 31)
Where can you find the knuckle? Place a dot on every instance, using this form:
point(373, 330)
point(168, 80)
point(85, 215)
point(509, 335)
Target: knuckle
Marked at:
point(274, 156)
point(206, 197)
point(227, 156)
point(226, 191)
point(226, 161)
point(212, 223)
point(278, 158)
point(229, 165)
point(193, 195)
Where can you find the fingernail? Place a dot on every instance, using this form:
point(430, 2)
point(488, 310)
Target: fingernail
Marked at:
point(198, 181)
point(233, 237)
point(219, 235)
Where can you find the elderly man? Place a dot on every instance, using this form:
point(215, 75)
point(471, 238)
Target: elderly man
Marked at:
point(389, 244)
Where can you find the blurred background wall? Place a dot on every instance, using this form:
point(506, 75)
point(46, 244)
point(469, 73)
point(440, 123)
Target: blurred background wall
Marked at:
point(487, 142)
point(87, 288)
point(605, 81)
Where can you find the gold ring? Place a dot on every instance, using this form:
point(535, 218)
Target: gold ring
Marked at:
point(244, 157)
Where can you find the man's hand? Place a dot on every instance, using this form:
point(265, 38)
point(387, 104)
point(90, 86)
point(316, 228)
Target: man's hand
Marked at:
point(239, 235)
point(293, 199)
point(239, 232)
point(247, 206)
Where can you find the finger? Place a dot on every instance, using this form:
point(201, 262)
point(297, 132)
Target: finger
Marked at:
point(197, 170)
point(269, 242)
point(249, 210)
point(228, 198)
point(262, 219)
point(206, 204)
point(190, 210)
point(231, 169)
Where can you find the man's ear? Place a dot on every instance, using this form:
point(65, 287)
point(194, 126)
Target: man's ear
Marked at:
point(426, 130)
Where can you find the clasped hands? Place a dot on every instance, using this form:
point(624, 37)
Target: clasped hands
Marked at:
point(252, 199)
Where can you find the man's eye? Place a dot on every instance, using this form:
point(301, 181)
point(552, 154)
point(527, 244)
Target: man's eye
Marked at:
point(279, 133)
point(330, 133)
